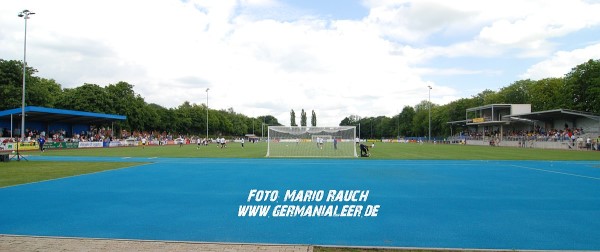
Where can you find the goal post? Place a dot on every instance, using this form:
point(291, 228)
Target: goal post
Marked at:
point(300, 141)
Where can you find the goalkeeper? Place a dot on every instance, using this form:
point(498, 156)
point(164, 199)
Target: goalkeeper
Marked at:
point(364, 151)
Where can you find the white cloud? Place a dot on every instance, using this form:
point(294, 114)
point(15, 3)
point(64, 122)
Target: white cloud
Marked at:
point(263, 57)
point(542, 21)
point(562, 62)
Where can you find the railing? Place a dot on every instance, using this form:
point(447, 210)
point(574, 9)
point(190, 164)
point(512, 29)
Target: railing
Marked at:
point(535, 141)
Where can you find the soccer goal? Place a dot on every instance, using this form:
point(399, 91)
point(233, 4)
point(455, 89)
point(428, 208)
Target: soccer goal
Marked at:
point(337, 141)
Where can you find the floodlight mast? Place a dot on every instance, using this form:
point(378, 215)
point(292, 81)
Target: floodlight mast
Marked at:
point(25, 15)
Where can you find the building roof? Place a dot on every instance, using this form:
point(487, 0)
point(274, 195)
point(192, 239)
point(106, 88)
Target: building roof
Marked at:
point(460, 122)
point(550, 115)
point(489, 106)
point(43, 114)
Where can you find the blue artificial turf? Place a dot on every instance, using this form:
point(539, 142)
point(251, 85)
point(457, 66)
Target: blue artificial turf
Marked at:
point(430, 204)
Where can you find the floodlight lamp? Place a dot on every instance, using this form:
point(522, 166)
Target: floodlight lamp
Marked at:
point(25, 13)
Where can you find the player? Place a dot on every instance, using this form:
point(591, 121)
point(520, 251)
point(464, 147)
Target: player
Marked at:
point(41, 141)
point(364, 151)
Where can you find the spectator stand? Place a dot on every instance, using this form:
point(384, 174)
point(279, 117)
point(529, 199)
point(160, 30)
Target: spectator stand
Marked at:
point(56, 124)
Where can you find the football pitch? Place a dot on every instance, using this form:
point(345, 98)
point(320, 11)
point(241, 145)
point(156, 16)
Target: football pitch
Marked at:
point(423, 196)
point(398, 151)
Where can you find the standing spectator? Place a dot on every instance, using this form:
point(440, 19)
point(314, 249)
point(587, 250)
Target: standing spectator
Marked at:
point(588, 143)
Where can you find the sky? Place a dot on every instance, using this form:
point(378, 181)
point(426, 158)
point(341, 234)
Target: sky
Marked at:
point(267, 57)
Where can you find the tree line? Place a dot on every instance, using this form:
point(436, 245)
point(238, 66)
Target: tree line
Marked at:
point(577, 90)
point(120, 98)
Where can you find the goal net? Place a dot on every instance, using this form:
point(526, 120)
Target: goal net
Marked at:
point(285, 141)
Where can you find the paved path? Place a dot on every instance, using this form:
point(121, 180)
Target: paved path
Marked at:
point(28, 243)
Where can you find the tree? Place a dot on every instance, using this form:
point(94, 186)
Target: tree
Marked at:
point(352, 120)
point(124, 101)
point(293, 118)
point(313, 119)
point(367, 127)
point(198, 116)
point(456, 109)
point(583, 87)
point(183, 113)
point(225, 125)
point(303, 118)
point(439, 119)
point(485, 97)
point(11, 84)
point(548, 94)
point(269, 120)
point(160, 119)
point(420, 122)
point(43, 92)
point(384, 127)
point(516, 93)
point(87, 97)
point(406, 121)
point(122, 97)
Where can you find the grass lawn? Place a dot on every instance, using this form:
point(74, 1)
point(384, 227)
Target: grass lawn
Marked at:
point(14, 173)
point(474, 152)
point(233, 150)
point(381, 151)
